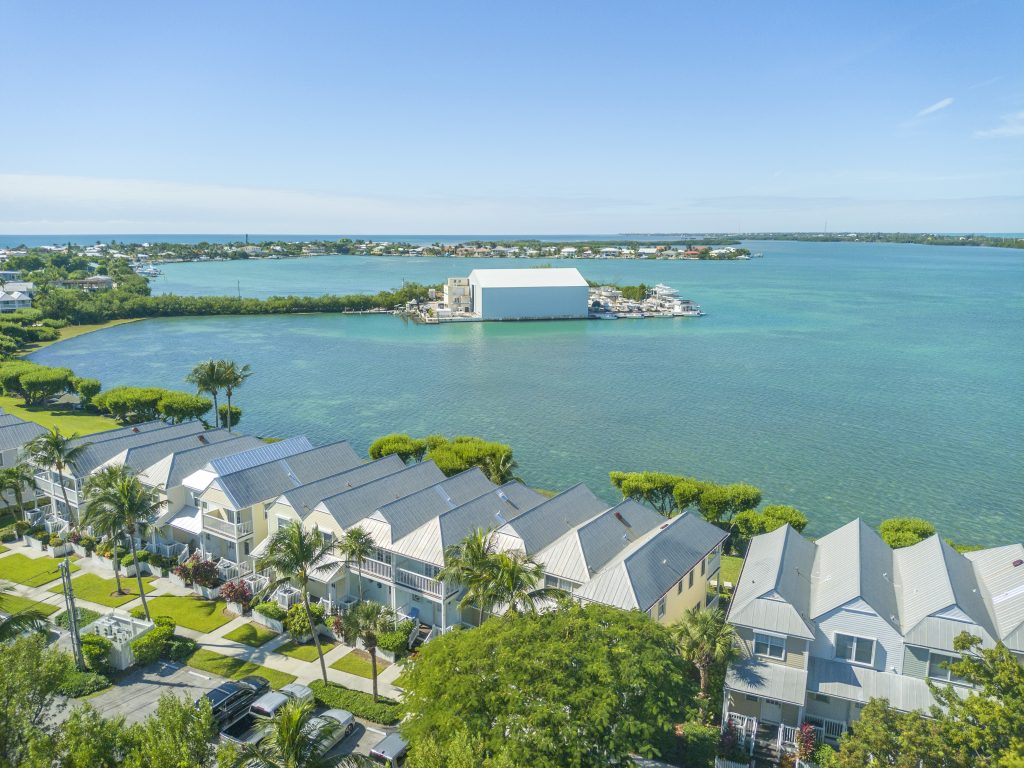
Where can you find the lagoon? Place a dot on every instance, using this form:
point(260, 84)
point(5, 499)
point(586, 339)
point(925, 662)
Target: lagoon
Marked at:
point(845, 379)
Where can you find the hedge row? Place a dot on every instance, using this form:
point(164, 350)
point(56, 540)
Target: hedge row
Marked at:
point(331, 695)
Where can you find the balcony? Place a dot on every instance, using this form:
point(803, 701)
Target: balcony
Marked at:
point(226, 529)
point(48, 486)
point(371, 567)
point(419, 582)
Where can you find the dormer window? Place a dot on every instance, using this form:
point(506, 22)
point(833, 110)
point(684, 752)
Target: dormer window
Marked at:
point(772, 646)
point(938, 670)
point(859, 650)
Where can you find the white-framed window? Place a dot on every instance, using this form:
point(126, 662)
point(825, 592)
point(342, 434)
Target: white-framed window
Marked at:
point(690, 584)
point(679, 587)
point(772, 646)
point(661, 607)
point(938, 671)
point(859, 650)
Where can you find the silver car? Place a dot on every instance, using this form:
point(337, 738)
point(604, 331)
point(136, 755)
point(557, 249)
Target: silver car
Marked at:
point(337, 723)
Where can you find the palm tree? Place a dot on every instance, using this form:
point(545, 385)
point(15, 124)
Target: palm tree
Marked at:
point(706, 640)
point(296, 741)
point(17, 479)
point(371, 619)
point(22, 621)
point(295, 554)
point(52, 449)
point(232, 377)
point(501, 468)
point(206, 376)
point(357, 545)
point(118, 504)
point(491, 578)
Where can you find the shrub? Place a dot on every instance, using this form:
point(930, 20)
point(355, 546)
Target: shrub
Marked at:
point(271, 611)
point(222, 414)
point(8, 535)
point(182, 406)
point(85, 618)
point(346, 627)
point(42, 383)
point(237, 592)
point(141, 556)
point(21, 527)
point(179, 648)
point(150, 647)
point(78, 684)
point(55, 540)
point(96, 651)
point(87, 389)
point(396, 641)
point(402, 445)
point(825, 757)
point(296, 622)
point(164, 621)
point(195, 570)
point(905, 531)
point(331, 695)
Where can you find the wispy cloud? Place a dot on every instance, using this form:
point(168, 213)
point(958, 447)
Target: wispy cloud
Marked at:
point(938, 105)
point(1011, 125)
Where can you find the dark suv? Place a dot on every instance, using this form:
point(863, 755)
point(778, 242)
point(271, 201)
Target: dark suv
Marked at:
point(231, 700)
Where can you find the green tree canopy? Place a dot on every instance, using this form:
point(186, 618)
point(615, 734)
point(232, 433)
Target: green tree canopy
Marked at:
point(402, 445)
point(182, 406)
point(582, 686)
point(653, 488)
point(900, 532)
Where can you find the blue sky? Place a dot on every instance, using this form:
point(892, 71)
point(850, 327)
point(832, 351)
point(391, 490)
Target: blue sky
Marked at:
point(511, 117)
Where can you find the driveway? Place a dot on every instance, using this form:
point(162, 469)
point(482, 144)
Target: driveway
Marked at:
point(136, 695)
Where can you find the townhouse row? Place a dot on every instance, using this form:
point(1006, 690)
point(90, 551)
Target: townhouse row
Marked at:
point(827, 625)
point(226, 494)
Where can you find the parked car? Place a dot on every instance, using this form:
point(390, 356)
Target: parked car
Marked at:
point(231, 700)
point(343, 723)
point(390, 750)
point(254, 725)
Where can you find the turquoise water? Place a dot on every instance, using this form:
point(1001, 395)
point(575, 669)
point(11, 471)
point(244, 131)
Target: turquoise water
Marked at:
point(846, 379)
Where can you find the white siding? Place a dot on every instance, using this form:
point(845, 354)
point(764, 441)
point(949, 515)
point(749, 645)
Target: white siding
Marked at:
point(860, 623)
point(497, 303)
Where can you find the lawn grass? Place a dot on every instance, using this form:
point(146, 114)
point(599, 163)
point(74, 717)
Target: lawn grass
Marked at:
point(230, 667)
point(2, 549)
point(15, 604)
point(252, 634)
point(65, 419)
point(32, 572)
point(358, 663)
point(730, 570)
point(190, 612)
point(96, 589)
point(304, 651)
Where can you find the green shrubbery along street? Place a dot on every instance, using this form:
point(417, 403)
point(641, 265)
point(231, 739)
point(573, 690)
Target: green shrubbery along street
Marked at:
point(358, 703)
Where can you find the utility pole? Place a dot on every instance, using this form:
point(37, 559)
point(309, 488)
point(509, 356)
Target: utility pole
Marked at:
point(69, 600)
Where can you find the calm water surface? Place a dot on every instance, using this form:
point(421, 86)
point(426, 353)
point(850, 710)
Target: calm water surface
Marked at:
point(846, 379)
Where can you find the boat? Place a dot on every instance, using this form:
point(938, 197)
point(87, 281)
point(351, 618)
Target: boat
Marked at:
point(604, 316)
point(686, 308)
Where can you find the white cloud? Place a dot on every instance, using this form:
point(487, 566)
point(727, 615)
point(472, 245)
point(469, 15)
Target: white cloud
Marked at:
point(938, 105)
point(1011, 125)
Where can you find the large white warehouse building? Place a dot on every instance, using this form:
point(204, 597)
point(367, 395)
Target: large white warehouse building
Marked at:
point(528, 294)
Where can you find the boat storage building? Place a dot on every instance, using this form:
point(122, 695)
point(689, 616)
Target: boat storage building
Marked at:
point(528, 294)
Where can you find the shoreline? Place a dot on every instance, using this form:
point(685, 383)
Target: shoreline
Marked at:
point(73, 331)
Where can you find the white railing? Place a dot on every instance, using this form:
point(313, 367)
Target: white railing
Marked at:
point(183, 556)
point(787, 737)
point(166, 550)
point(214, 524)
point(825, 728)
point(256, 582)
point(746, 727)
point(721, 762)
point(418, 581)
point(56, 525)
point(413, 634)
point(230, 570)
point(372, 567)
point(286, 596)
point(327, 605)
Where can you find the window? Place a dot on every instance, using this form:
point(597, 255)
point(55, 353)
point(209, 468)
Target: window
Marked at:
point(691, 580)
point(859, 650)
point(937, 670)
point(751, 698)
point(661, 607)
point(679, 587)
point(822, 699)
point(704, 565)
point(772, 646)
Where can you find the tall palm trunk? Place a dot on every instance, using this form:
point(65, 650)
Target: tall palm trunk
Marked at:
point(138, 574)
point(312, 626)
point(373, 667)
point(216, 410)
point(227, 416)
point(117, 564)
point(359, 577)
point(63, 490)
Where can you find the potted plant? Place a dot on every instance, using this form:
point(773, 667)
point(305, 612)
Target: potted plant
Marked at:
point(138, 564)
point(161, 564)
point(270, 615)
point(237, 595)
point(37, 539)
point(57, 545)
point(22, 527)
point(205, 579)
point(181, 574)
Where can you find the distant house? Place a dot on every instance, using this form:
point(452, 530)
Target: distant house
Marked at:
point(828, 625)
point(15, 295)
point(92, 284)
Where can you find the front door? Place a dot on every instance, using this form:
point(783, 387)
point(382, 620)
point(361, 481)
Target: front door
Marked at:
point(771, 711)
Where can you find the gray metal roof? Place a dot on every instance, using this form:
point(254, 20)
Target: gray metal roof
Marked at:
point(99, 452)
point(141, 456)
point(171, 470)
point(856, 683)
point(540, 526)
point(269, 480)
point(305, 497)
point(767, 680)
point(612, 531)
point(1000, 572)
point(351, 506)
point(115, 434)
point(17, 435)
point(429, 541)
point(406, 514)
point(267, 452)
point(7, 419)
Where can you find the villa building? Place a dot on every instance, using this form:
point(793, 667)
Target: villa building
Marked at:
point(827, 625)
point(15, 295)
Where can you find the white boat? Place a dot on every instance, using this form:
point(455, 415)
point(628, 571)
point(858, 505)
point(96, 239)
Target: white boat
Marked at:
point(686, 308)
point(662, 291)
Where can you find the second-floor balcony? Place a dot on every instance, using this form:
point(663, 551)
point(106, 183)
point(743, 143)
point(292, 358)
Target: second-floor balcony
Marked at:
point(47, 484)
point(372, 567)
point(226, 528)
point(419, 582)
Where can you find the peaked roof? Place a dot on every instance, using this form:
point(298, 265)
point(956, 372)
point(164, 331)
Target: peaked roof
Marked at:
point(17, 435)
point(140, 457)
point(536, 528)
point(352, 506)
point(1000, 571)
point(171, 470)
point(269, 480)
point(235, 461)
point(305, 497)
point(98, 452)
point(406, 514)
point(529, 278)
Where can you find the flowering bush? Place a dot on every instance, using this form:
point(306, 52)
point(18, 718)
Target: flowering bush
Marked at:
point(195, 570)
point(806, 741)
point(730, 745)
point(237, 592)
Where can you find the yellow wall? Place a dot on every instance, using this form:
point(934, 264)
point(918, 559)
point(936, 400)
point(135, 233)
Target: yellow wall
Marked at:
point(679, 602)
